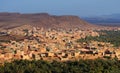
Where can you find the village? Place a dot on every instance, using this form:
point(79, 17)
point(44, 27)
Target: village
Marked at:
point(58, 45)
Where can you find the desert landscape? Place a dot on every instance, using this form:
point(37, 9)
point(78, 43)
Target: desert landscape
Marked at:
point(51, 38)
point(66, 36)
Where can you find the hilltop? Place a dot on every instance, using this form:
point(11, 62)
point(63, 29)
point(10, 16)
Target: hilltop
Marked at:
point(13, 20)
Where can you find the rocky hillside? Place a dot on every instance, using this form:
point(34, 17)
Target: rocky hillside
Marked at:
point(13, 20)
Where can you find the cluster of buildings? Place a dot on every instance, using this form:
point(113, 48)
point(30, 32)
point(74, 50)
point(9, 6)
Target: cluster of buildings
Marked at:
point(60, 45)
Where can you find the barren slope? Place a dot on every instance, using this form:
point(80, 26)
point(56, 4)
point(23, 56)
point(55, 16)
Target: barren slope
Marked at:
point(12, 20)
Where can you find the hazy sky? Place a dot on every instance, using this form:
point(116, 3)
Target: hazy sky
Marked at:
point(62, 7)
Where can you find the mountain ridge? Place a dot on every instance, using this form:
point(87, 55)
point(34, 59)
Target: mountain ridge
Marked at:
point(45, 20)
point(113, 19)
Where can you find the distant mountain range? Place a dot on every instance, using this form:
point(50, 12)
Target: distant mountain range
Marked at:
point(44, 20)
point(113, 19)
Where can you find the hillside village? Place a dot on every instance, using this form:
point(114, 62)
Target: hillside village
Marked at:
point(59, 45)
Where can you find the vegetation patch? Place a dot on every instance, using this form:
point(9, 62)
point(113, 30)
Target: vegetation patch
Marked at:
point(112, 37)
point(81, 66)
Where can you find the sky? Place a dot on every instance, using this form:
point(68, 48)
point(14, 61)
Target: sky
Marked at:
point(84, 8)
